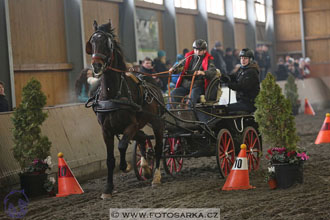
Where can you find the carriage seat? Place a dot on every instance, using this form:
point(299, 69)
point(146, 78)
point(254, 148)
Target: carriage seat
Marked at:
point(213, 91)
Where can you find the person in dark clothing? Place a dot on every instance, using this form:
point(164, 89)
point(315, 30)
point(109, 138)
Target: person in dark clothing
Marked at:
point(184, 51)
point(146, 67)
point(160, 66)
point(245, 82)
point(229, 60)
point(260, 60)
point(267, 59)
point(199, 63)
point(282, 71)
point(4, 107)
point(218, 55)
point(236, 56)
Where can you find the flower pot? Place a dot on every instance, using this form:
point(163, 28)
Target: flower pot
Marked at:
point(33, 184)
point(272, 183)
point(288, 174)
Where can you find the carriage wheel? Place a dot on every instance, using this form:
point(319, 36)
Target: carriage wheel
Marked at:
point(174, 147)
point(225, 152)
point(137, 155)
point(253, 147)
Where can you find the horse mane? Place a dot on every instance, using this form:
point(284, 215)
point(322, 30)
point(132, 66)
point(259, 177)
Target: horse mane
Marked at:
point(116, 46)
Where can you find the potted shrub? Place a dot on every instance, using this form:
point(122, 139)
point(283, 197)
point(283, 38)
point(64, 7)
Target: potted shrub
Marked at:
point(31, 149)
point(291, 93)
point(277, 126)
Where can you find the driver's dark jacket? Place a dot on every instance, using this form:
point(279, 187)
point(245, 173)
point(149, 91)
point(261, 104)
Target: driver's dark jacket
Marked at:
point(246, 83)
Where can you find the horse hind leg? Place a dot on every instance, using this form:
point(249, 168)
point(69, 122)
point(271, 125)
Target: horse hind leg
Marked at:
point(129, 133)
point(158, 128)
point(122, 147)
point(140, 137)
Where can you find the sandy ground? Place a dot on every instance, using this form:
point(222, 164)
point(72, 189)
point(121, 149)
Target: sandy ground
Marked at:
point(199, 186)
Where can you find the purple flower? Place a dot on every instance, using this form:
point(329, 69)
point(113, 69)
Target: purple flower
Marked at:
point(280, 150)
point(35, 161)
point(303, 156)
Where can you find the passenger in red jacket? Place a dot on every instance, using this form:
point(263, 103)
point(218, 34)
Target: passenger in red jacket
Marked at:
point(200, 62)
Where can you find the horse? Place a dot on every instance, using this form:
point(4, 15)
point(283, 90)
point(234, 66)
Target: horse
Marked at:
point(123, 105)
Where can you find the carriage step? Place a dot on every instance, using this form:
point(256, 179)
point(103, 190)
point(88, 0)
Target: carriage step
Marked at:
point(197, 134)
point(195, 154)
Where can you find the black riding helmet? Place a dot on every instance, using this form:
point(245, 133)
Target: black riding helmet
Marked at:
point(200, 44)
point(246, 52)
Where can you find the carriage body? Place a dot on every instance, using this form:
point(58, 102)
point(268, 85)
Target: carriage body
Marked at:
point(208, 130)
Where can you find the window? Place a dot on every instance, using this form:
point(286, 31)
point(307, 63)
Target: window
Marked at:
point(190, 4)
point(239, 9)
point(215, 7)
point(260, 10)
point(159, 2)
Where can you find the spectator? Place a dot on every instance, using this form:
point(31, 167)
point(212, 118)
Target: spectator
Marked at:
point(236, 57)
point(146, 67)
point(160, 66)
point(307, 67)
point(293, 68)
point(218, 55)
point(229, 60)
point(260, 60)
point(82, 86)
point(4, 107)
point(281, 71)
point(266, 57)
point(185, 50)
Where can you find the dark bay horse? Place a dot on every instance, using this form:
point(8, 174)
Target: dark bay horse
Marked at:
point(123, 105)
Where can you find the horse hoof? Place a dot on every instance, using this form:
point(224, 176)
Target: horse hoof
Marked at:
point(106, 196)
point(128, 168)
point(146, 172)
point(155, 184)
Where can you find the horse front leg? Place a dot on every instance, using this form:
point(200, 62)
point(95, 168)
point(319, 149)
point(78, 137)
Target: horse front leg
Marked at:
point(158, 129)
point(111, 163)
point(128, 134)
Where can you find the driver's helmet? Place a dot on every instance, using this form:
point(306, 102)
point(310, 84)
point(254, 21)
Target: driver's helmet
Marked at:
point(200, 44)
point(246, 52)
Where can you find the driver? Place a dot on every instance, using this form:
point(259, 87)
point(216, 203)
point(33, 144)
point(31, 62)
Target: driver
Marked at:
point(199, 61)
point(245, 82)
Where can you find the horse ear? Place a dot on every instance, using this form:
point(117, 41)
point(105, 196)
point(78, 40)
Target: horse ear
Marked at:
point(88, 48)
point(95, 25)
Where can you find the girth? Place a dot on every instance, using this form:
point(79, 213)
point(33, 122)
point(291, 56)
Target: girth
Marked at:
point(112, 105)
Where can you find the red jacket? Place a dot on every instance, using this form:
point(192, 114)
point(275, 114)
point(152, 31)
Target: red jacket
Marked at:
point(205, 63)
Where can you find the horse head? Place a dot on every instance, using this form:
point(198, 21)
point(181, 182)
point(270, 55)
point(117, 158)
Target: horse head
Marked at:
point(101, 47)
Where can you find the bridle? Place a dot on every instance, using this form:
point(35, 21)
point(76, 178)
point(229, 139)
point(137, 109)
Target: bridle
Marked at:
point(106, 59)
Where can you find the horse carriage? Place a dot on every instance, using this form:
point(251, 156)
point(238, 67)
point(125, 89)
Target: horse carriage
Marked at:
point(205, 130)
point(124, 105)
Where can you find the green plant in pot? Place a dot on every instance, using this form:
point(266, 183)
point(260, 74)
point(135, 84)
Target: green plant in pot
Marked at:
point(277, 126)
point(31, 149)
point(291, 93)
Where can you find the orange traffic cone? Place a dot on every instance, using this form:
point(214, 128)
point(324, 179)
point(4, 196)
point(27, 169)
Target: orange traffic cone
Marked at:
point(67, 183)
point(239, 174)
point(324, 134)
point(308, 108)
